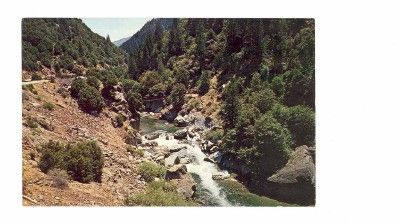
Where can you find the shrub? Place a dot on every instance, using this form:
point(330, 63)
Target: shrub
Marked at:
point(93, 81)
point(301, 123)
point(30, 88)
point(204, 83)
point(157, 91)
point(135, 101)
point(131, 85)
point(135, 151)
point(215, 135)
point(150, 170)
point(90, 99)
point(48, 106)
point(31, 122)
point(159, 193)
point(46, 61)
point(59, 178)
point(36, 76)
point(83, 161)
point(272, 142)
point(119, 120)
point(76, 86)
point(177, 96)
point(148, 80)
point(109, 81)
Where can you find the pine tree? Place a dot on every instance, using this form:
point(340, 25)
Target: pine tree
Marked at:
point(200, 42)
point(175, 42)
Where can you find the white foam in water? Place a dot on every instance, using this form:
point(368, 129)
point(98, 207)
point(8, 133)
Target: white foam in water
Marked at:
point(200, 167)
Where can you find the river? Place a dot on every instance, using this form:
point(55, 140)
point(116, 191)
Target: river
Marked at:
point(209, 192)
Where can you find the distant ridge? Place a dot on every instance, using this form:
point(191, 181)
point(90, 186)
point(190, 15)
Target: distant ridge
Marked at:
point(121, 41)
point(137, 39)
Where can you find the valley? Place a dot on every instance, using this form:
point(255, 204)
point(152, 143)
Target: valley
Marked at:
point(186, 112)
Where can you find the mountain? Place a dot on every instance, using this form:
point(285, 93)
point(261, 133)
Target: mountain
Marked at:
point(138, 38)
point(64, 43)
point(121, 41)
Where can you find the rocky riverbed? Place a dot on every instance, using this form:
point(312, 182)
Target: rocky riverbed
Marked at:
point(193, 163)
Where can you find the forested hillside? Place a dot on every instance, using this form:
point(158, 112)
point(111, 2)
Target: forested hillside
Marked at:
point(264, 70)
point(138, 38)
point(68, 44)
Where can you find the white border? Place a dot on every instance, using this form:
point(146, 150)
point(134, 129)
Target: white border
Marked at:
point(357, 47)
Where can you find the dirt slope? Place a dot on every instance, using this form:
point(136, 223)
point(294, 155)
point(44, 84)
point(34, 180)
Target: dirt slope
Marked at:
point(71, 124)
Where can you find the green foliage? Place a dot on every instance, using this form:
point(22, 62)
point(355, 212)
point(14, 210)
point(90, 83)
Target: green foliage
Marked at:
point(273, 142)
point(83, 161)
point(215, 135)
point(131, 85)
point(300, 120)
point(90, 99)
point(159, 193)
point(44, 39)
point(204, 83)
point(76, 86)
point(137, 152)
point(36, 76)
point(278, 85)
point(109, 81)
point(177, 96)
point(30, 88)
point(230, 102)
point(299, 88)
point(149, 80)
point(135, 101)
point(150, 170)
point(119, 119)
point(31, 122)
point(93, 81)
point(48, 106)
point(181, 74)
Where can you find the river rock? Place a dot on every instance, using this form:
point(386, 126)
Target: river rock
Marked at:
point(295, 182)
point(186, 186)
point(169, 113)
point(207, 159)
point(213, 149)
point(175, 172)
point(180, 121)
point(152, 136)
point(176, 148)
point(180, 134)
point(182, 160)
point(217, 157)
point(220, 175)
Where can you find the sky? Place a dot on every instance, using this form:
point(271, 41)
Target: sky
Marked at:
point(117, 28)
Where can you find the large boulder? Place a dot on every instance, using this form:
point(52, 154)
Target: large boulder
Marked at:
point(295, 182)
point(179, 175)
point(181, 121)
point(176, 148)
point(152, 136)
point(220, 175)
point(182, 160)
point(180, 134)
point(175, 172)
point(118, 96)
point(169, 113)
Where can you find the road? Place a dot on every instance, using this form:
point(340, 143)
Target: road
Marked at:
point(34, 82)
